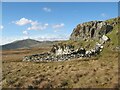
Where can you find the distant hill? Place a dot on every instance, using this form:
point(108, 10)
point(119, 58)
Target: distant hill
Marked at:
point(26, 44)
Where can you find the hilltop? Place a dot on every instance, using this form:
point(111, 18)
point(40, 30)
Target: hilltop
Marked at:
point(93, 29)
point(88, 33)
point(27, 44)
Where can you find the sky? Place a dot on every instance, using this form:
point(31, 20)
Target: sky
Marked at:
point(50, 20)
point(60, 0)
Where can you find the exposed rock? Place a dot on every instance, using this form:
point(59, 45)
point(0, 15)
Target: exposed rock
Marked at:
point(62, 49)
point(63, 52)
point(105, 29)
point(104, 39)
point(91, 30)
point(86, 31)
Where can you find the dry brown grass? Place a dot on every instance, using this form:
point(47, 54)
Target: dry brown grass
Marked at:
point(17, 55)
point(88, 73)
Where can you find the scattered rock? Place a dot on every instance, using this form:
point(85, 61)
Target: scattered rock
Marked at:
point(64, 52)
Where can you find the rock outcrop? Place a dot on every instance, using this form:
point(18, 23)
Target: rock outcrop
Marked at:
point(86, 31)
point(91, 30)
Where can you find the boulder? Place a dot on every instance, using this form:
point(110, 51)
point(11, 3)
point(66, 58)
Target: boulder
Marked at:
point(104, 39)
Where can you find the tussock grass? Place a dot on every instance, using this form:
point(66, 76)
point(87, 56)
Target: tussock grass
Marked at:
point(95, 72)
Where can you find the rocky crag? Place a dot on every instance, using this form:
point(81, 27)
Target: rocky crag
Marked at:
point(92, 30)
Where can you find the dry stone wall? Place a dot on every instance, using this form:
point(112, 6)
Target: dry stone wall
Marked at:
point(65, 52)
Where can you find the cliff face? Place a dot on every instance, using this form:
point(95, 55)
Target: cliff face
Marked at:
point(93, 29)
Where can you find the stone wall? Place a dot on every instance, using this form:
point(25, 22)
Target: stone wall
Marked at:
point(62, 52)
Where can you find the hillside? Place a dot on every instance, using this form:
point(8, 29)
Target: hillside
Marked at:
point(95, 72)
point(20, 44)
point(87, 39)
point(26, 44)
point(91, 73)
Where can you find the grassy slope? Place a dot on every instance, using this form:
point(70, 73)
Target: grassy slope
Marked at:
point(77, 73)
point(97, 72)
point(102, 72)
point(113, 35)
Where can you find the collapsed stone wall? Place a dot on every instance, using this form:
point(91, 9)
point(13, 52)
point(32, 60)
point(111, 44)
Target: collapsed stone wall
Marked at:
point(62, 52)
point(58, 52)
point(48, 57)
point(60, 49)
